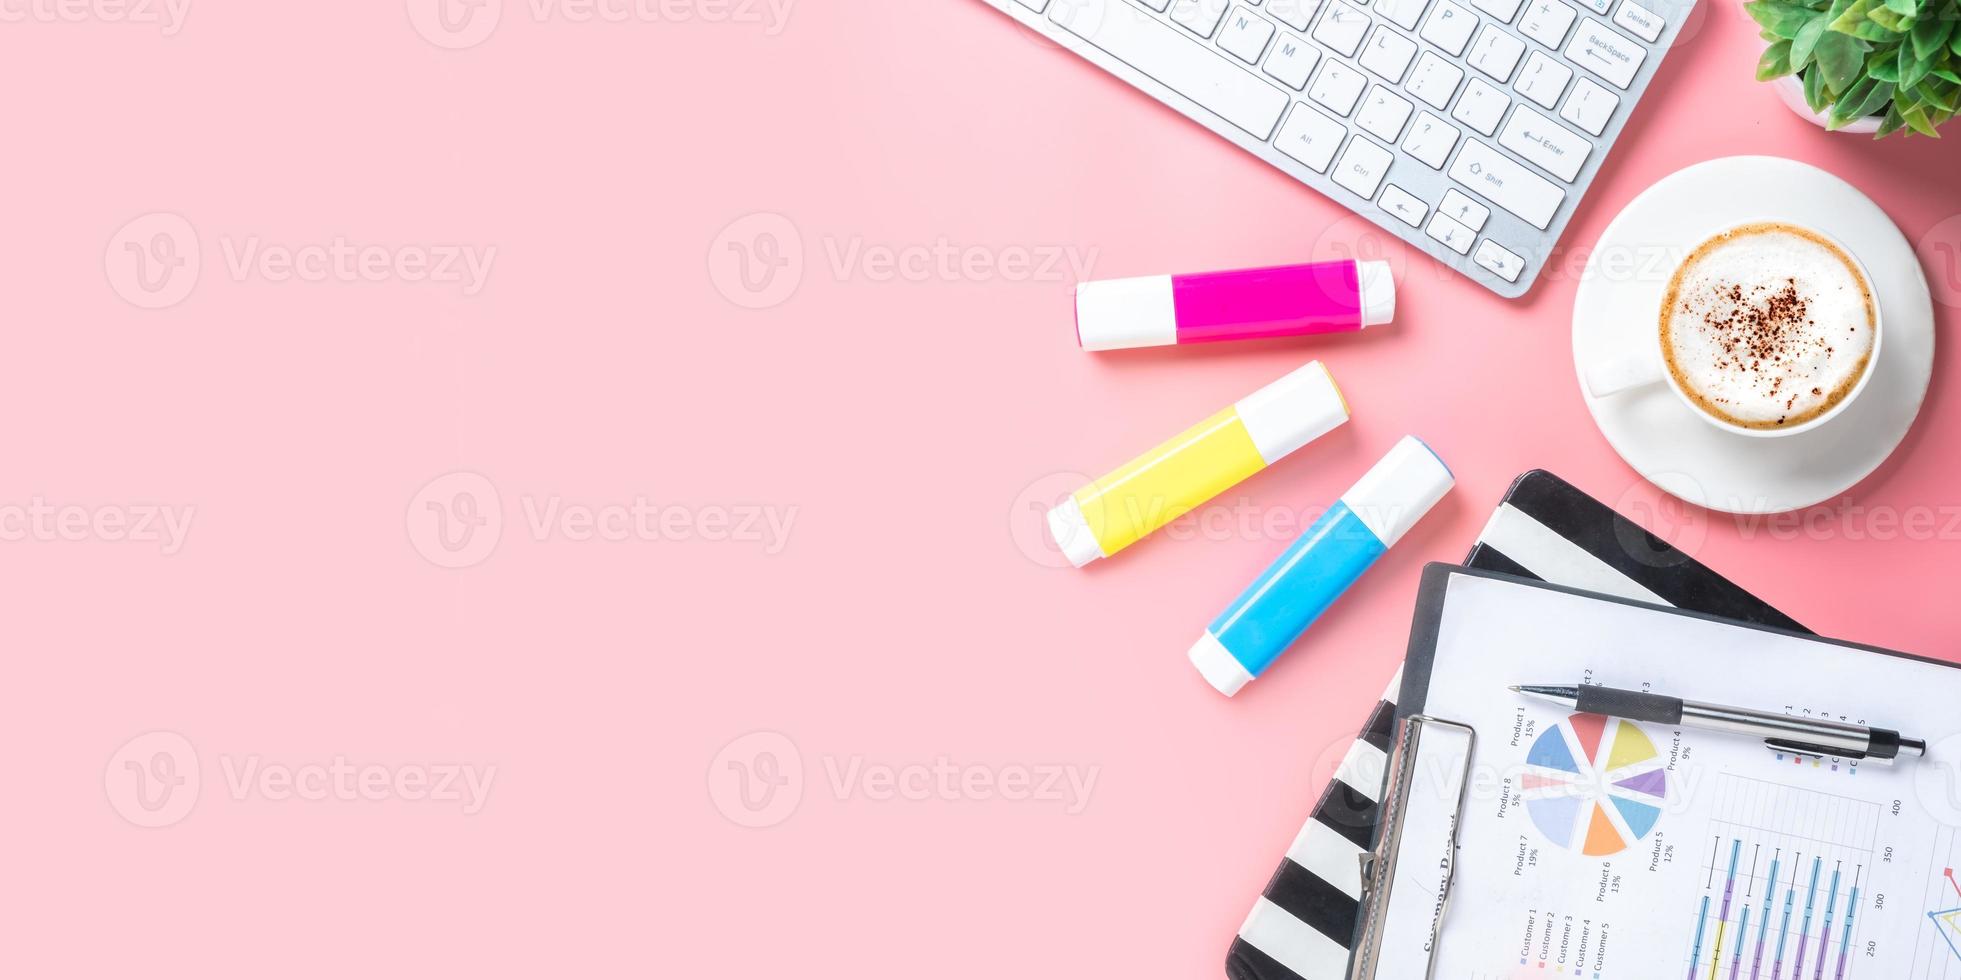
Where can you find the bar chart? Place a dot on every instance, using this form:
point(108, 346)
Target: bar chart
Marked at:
point(1783, 878)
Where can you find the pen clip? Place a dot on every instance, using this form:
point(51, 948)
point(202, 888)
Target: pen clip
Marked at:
point(1822, 752)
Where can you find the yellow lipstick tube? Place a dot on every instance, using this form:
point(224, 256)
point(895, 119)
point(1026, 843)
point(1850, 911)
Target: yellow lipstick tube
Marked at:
point(1197, 464)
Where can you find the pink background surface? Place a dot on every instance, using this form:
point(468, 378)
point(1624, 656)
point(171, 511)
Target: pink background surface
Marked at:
point(912, 612)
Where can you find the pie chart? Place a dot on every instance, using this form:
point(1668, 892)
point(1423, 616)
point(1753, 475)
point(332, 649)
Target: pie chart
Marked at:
point(1594, 784)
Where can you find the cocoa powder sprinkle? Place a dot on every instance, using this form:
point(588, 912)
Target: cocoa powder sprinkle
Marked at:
point(1762, 323)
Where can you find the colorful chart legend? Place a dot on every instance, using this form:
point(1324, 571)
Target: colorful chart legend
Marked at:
point(1594, 784)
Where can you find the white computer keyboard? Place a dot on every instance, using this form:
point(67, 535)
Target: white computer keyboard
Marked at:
point(1468, 128)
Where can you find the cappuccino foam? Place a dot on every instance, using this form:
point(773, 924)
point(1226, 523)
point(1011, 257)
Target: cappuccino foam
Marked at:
point(1767, 326)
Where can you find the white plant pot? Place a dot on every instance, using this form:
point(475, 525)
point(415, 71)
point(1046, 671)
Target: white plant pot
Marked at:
point(1791, 90)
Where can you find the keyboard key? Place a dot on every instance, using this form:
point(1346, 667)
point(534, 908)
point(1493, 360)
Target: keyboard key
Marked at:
point(1446, 230)
point(1639, 21)
point(1201, 17)
point(1404, 205)
point(1546, 22)
point(1499, 260)
point(1384, 113)
point(1311, 138)
point(1590, 106)
point(1434, 80)
point(1449, 27)
point(1388, 53)
point(1543, 79)
point(1292, 61)
point(1597, 6)
point(1481, 107)
point(1504, 10)
point(1496, 52)
point(1296, 14)
point(1362, 167)
point(1506, 183)
point(1402, 13)
point(1545, 143)
point(1468, 212)
point(1600, 50)
point(1430, 140)
point(1184, 66)
point(1035, 5)
point(1342, 27)
point(1337, 87)
point(1245, 36)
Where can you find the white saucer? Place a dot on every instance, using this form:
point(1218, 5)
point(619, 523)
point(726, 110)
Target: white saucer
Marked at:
point(1663, 439)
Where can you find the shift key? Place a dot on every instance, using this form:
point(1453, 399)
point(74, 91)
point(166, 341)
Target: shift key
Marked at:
point(1500, 180)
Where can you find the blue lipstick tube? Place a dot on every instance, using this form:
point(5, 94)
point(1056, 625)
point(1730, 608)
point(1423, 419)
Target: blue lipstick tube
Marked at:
point(1320, 565)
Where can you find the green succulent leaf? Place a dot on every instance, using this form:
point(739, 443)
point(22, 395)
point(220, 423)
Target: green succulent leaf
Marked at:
point(1930, 34)
point(1841, 57)
point(1941, 97)
point(1815, 95)
point(1886, 17)
point(1779, 18)
point(1916, 119)
point(1905, 8)
point(1847, 18)
point(1912, 69)
point(1947, 75)
point(1807, 41)
point(1891, 124)
point(1883, 65)
point(1776, 62)
point(1866, 98)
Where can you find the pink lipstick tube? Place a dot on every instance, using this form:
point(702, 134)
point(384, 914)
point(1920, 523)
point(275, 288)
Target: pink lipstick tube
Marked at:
point(1282, 301)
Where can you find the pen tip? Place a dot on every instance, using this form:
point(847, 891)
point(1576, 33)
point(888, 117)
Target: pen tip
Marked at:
point(1517, 689)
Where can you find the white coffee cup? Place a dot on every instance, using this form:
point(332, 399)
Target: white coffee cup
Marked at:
point(1647, 365)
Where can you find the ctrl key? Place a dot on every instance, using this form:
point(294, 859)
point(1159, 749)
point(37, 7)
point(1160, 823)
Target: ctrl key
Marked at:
point(1499, 260)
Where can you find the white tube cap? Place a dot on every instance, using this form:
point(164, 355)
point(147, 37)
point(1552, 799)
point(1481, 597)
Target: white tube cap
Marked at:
point(1391, 497)
point(1072, 534)
point(1293, 411)
point(1114, 314)
point(1378, 289)
point(1217, 666)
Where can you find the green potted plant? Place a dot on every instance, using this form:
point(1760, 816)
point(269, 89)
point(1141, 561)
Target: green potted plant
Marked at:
point(1876, 66)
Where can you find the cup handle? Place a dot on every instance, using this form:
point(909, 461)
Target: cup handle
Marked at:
point(1625, 373)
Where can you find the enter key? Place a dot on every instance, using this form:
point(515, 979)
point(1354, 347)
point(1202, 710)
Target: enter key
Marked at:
point(1545, 143)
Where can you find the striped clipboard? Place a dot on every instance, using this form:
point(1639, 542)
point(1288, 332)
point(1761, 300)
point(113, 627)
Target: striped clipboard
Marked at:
point(1302, 926)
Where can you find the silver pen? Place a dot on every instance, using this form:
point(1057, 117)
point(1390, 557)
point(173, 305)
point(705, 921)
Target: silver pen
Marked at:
point(1787, 733)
